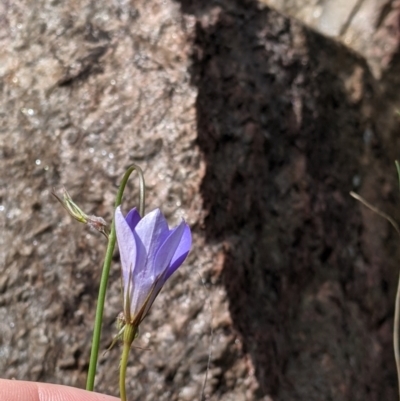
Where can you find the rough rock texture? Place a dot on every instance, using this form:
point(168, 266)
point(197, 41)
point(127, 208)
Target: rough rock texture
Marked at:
point(248, 125)
point(370, 27)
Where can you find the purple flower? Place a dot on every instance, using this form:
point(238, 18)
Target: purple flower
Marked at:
point(150, 253)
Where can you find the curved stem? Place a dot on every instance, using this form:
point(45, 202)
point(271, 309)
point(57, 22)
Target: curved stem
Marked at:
point(94, 354)
point(128, 336)
point(396, 322)
point(397, 315)
point(396, 333)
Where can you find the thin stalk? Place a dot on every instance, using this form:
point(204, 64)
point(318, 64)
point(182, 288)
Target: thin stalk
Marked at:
point(128, 337)
point(397, 301)
point(397, 315)
point(377, 211)
point(94, 354)
point(396, 333)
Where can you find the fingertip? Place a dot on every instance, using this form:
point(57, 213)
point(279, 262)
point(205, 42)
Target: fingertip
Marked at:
point(16, 390)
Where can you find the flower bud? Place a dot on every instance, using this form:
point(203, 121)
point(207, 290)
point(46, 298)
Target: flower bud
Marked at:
point(98, 223)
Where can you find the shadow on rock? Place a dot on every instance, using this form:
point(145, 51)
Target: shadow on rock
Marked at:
point(284, 122)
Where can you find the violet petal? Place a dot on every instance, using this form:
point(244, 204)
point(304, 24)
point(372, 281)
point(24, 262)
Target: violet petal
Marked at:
point(152, 230)
point(143, 283)
point(181, 252)
point(168, 249)
point(133, 218)
point(126, 244)
point(132, 253)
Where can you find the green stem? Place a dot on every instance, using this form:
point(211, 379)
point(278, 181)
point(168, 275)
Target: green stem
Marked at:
point(397, 315)
point(94, 354)
point(396, 333)
point(396, 323)
point(128, 337)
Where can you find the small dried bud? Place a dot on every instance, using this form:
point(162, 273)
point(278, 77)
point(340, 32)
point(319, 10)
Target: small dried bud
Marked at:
point(98, 223)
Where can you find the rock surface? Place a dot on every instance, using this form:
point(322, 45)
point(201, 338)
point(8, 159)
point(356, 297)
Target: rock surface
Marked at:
point(251, 127)
point(370, 27)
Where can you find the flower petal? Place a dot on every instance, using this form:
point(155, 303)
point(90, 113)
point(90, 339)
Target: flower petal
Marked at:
point(177, 247)
point(132, 254)
point(152, 296)
point(150, 253)
point(127, 246)
point(133, 218)
point(168, 249)
point(181, 252)
point(152, 231)
point(143, 286)
point(161, 262)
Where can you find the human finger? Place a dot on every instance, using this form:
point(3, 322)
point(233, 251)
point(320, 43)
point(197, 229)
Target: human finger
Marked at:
point(16, 390)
